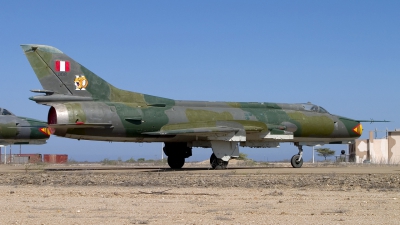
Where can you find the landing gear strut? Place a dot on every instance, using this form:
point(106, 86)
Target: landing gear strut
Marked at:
point(217, 164)
point(297, 160)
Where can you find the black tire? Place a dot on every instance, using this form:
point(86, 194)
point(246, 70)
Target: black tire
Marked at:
point(217, 164)
point(295, 161)
point(177, 149)
point(176, 162)
point(212, 158)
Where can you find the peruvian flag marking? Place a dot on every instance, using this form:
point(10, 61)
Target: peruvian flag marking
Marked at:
point(62, 66)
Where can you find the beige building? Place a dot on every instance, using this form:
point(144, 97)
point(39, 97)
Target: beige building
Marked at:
point(384, 151)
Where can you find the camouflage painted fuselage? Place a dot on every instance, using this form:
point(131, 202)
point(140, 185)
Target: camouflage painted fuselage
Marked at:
point(84, 106)
point(176, 120)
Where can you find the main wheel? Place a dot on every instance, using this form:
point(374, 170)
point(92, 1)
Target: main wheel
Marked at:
point(176, 162)
point(217, 164)
point(296, 163)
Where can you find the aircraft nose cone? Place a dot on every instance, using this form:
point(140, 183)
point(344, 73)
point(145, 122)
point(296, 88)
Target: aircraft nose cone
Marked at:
point(358, 129)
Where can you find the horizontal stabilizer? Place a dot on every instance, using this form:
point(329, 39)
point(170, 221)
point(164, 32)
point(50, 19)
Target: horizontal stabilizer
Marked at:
point(47, 92)
point(59, 98)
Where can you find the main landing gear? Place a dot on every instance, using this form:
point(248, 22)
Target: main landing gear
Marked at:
point(176, 162)
point(218, 164)
point(177, 152)
point(223, 151)
point(297, 160)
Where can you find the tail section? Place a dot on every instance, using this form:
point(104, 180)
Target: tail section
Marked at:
point(59, 74)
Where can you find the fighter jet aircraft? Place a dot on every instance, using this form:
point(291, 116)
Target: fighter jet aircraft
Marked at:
point(84, 106)
point(21, 130)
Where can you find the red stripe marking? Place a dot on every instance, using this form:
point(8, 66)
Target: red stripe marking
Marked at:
point(57, 65)
point(66, 66)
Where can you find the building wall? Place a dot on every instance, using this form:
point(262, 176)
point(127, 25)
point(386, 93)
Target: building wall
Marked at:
point(379, 151)
point(361, 150)
point(394, 147)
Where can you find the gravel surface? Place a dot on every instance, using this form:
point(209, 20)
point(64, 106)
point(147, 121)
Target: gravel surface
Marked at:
point(200, 196)
point(330, 181)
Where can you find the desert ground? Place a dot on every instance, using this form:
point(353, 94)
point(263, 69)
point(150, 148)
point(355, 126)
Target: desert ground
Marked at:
point(149, 194)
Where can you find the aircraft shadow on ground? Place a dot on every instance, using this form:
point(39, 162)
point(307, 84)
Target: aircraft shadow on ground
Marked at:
point(154, 169)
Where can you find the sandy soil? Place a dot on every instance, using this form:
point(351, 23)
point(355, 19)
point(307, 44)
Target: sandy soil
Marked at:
point(200, 196)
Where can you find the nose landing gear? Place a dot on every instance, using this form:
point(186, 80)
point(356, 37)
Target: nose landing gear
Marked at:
point(297, 160)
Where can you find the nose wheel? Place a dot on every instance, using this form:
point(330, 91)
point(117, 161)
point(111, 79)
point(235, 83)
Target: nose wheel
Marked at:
point(297, 160)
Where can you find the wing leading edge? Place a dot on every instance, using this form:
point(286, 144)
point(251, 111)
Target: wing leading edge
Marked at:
point(225, 130)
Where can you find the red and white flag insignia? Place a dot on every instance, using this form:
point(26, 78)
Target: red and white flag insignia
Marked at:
point(62, 66)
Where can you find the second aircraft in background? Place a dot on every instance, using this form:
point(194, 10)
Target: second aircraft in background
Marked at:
point(17, 130)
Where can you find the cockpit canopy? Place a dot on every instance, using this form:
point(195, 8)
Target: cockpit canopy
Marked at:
point(313, 108)
point(5, 112)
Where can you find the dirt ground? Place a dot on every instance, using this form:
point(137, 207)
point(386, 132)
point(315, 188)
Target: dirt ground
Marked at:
point(242, 195)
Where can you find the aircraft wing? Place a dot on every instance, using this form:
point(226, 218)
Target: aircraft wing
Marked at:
point(224, 133)
point(195, 131)
point(81, 125)
point(224, 130)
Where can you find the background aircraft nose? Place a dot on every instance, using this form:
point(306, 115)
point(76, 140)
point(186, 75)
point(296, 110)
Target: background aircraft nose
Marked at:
point(39, 133)
point(45, 131)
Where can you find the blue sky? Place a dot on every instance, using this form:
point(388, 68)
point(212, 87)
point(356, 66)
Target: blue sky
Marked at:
point(342, 55)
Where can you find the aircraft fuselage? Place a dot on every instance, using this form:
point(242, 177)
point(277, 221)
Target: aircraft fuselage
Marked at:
point(133, 122)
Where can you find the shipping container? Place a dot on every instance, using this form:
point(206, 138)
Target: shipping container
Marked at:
point(52, 158)
point(33, 158)
point(20, 159)
point(15, 159)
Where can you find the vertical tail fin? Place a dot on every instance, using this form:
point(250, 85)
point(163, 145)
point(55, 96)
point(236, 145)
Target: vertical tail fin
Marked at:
point(60, 74)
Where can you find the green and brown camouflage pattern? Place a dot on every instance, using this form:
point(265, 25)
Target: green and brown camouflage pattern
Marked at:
point(84, 106)
point(21, 130)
